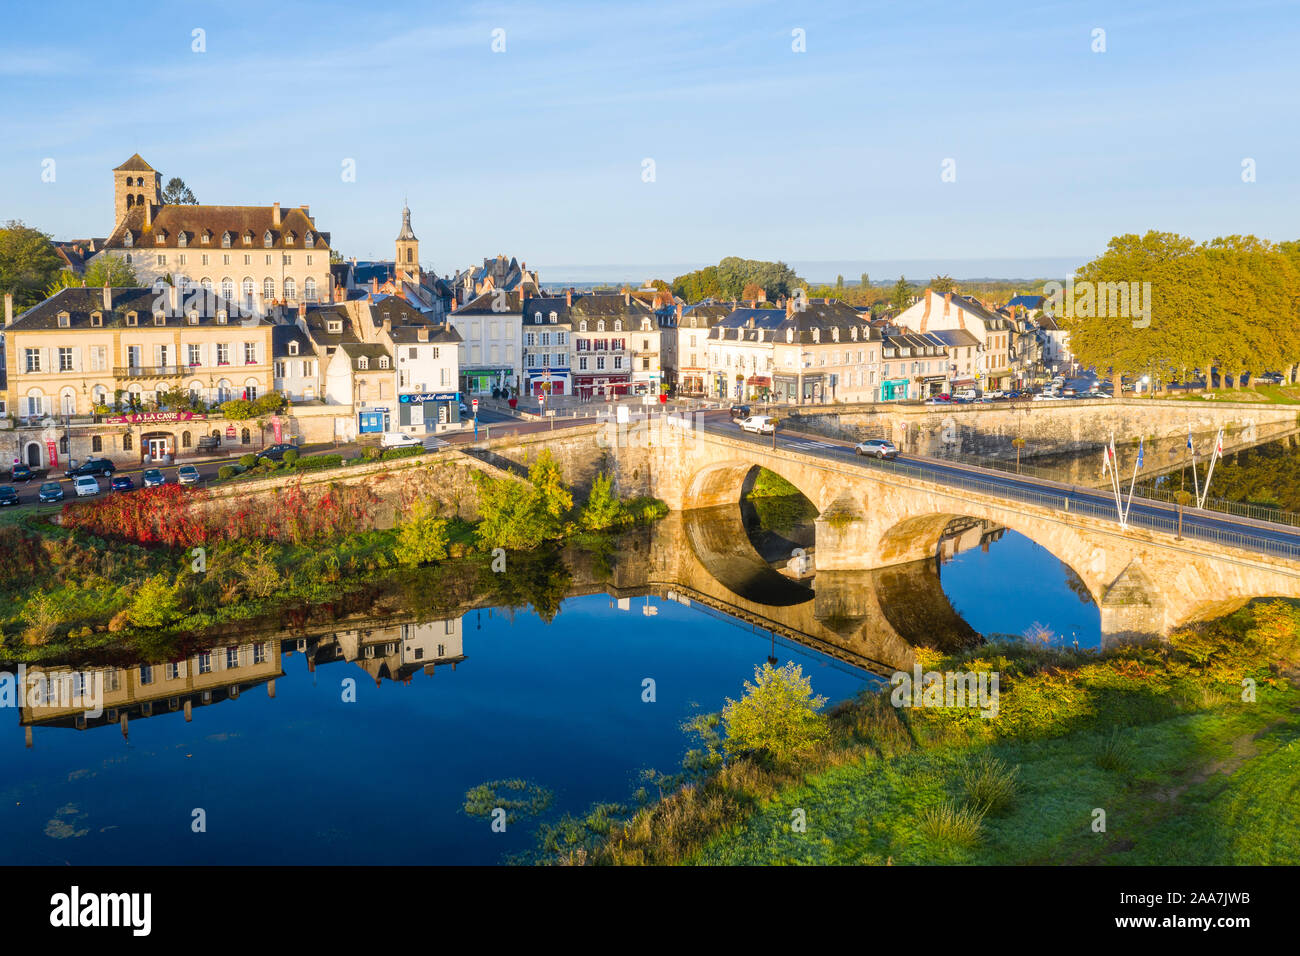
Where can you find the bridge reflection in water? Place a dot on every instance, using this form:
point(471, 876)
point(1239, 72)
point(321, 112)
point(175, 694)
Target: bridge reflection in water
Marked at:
point(871, 620)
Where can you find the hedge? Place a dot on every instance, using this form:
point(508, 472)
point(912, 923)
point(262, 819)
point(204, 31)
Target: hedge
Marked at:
point(317, 462)
point(406, 452)
point(226, 471)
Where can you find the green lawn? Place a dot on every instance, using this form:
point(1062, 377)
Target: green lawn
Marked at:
point(1263, 395)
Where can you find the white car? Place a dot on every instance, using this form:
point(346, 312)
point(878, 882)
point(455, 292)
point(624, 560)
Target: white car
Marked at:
point(398, 440)
point(759, 424)
point(85, 485)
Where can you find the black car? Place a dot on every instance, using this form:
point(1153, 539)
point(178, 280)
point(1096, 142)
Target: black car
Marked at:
point(739, 411)
point(92, 466)
point(276, 452)
point(50, 491)
point(20, 473)
point(8, 496)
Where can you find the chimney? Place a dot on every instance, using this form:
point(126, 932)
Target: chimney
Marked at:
point(374, 285)
point(9, 309)
point(762, 296)
point(947, 303)
point(306, 211)
point(568, 296)
point(275, 215)
point(789, 307)
point(148, 214)
point(108, 298)
point(627, 297)
point(422, 334)
point(679, 312)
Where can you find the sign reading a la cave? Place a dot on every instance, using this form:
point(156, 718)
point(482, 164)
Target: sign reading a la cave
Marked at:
point(154, 418)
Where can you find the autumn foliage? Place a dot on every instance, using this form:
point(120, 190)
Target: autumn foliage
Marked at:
point(180, 517)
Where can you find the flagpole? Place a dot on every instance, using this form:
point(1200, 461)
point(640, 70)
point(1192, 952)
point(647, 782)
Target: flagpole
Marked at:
point(1136, 464)
point(1114, 482)
point(1218, 450)
point(1196, 482)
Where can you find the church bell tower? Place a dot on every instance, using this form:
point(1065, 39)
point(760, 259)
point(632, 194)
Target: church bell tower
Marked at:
point(408, 251)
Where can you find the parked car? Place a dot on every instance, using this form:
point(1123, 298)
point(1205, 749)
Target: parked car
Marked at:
point(939, 400)
point(1273, 378)
point(92, 467)
point(85, 485)
point(759, 424)
point(880, 447)
point(965, 394)
point(738, 412)
point(398, 440)
point(187, 475)
point(153, 478)
point(276, 452)
point(121, 483)
point(50, 491)
point(464, 409)
point(20, 473)
point(8, 496)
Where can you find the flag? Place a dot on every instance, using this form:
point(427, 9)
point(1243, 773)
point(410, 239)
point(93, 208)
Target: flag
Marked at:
point(1218, 446)
point(1189, 436)
point(1139, 452)
point(1105, 461)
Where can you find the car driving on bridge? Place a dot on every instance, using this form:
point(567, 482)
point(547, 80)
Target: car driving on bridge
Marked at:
point(758, 424)
point(880, 447)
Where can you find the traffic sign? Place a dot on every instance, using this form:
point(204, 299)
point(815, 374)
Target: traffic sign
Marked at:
point(476, 403)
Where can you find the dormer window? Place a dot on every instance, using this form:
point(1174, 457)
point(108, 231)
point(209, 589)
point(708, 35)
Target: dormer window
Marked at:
point(160, 237)
point(309, 240)
point(221, 317)
point(207, 237)
point(817, 336)
point(835, 334)
point(582, 326)
point(537, 318)
point(128, 240)
point(363, 363)
point(334, 327)
point(289, 238)
point(554, 318)
point(182, 239)
point(645, 325)
point(600, 326)
point(159, 318)
point(225, 240)
point(789, 335)
point(194, 318)
point(618, 325)
point(248, 238)
point(854, 333)
point(97, 319)
point(65, 320)
point(293, 348)
point(267, 239)
point(383, 361)
point(132, 318)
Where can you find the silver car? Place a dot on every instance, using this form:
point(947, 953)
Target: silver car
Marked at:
point(880, 447)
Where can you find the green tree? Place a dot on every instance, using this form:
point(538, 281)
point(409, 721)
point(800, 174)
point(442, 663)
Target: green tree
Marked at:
point(106, 269)
point(943, 283)
point(864, 280)
point(603, 509)
point(155, 603)
point(422, 536)
point(511, 515)
point(901, 295)
point(778, 715)
point(28, 263)
point(176, 193)
point(555, 498)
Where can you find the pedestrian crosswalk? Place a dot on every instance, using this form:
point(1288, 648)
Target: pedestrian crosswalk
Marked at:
point(433, 444)
point(809, 444)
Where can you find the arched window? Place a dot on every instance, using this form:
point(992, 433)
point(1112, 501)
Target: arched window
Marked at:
point(250, 289)
point(35, 402)
point(63, 445)
point(266, 239)
point(128, 240)
point(139, 200)
point(290, 289)
point(99, 395)
point(245, 437)
point(309, 289)
point(130, 200)
point(409, 253)
point(126, 440)
point(228, 289)
point(185, 439)
point(309, 241)
point(206, 283)
point(268, 289)
point(68, 402)
point(225, 240)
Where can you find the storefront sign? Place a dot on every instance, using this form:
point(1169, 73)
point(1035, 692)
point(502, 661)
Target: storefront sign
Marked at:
point(52, 449)
point(277, 429)
point(230, 431)
point(152, 418)
point(423, 397)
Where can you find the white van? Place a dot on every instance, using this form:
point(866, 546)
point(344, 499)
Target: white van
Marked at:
point(966, 394)
point(759, 424)
point(398, 440)
point(85, 485)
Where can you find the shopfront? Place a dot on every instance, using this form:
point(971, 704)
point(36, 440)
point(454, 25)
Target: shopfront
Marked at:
point(758, 388)
point(481, 381)
point(428, 411)
point(556, 383)
point(601, 386)
point(893, 389)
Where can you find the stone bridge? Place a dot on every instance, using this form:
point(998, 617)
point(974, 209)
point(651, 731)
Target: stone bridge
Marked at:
point(1146, 582)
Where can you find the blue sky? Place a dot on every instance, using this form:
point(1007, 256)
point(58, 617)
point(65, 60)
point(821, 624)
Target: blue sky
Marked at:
point(826, 159)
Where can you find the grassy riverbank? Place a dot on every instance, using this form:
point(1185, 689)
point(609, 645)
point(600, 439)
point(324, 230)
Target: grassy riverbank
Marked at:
point(1158, 738)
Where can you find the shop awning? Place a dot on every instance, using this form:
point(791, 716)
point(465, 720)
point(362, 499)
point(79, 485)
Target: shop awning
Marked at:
point(963, 383)
point(761, 381)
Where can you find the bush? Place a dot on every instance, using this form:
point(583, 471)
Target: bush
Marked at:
point(266, 463)
point(778, 715)
point(951, 825)
point(422, 536)
point(226, 471)
point(248, 461)
point(407, 452)
point(290, 457)
point(990, 784)
point(603, 509)
point(370, 453)
point(317, 462)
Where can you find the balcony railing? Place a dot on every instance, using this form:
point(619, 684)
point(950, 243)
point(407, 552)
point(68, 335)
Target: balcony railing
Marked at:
point(150, 371)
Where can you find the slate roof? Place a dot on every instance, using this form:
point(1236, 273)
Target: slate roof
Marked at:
point(371, 351)
point(820, 315)
point(79, 303)
point(284, 333)
point(135, 164)
point(546, 305)
point(317, 326)
point(955, 338)
point(171, 221)
point(1027, 301)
